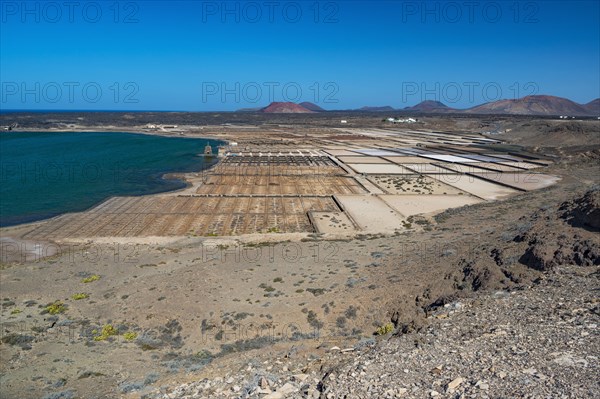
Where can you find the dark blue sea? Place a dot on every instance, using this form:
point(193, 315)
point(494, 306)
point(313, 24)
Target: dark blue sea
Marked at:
point(46, 174)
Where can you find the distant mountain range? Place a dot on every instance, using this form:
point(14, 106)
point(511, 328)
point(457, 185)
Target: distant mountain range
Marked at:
point(376, 109)
point(542, 105)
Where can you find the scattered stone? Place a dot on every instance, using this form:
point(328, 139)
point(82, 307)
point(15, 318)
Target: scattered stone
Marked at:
point(263, 383)
point(455, 383)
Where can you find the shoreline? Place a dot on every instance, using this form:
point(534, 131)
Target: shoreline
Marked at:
point(170, 176)
point(137, 130)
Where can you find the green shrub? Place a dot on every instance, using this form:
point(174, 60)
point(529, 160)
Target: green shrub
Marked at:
point(107, 331)
point(385, 329)
point(130, 335)
point(56, 308)
point(92, 278)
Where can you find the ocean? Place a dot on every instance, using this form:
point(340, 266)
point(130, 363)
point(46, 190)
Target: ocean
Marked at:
point(50, 173)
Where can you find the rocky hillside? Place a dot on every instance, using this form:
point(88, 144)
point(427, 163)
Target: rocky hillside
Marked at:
point(532, 105)
point(311, 106)
point(593, 107)
point(430, 106)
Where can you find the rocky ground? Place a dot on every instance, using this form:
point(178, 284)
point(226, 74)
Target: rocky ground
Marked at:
point(541, 341)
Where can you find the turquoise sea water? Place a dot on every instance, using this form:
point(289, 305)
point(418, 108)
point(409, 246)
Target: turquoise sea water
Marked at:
point(47, 174)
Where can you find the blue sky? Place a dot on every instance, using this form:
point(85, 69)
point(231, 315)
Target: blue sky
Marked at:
point(214, 55)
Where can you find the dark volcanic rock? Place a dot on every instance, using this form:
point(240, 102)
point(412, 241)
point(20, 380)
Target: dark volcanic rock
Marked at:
point(584, 211)
point(546, 255)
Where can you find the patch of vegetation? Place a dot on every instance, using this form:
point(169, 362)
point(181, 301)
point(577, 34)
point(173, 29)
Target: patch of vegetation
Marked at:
point(147, 341)
point(267, 288)
point(91, 279)
point(246, 345)
point(88, 374)
point(130, 336)
point(242, 315)
point(189, 363)
point(316, 291)
point(170, 334)
point(23, 341)
point(313, 320)
point(68, 394)
point(79, 296)
point(278, 280)
point(128, 387)
point(107, 331)
point(56, 308)
point(385, 329)
point(15, 311)
point(351, 312)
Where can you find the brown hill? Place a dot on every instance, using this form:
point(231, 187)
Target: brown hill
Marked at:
point(593, 107)
point(285, 108)
point(430, 106)
point(311, 106)
point(532, 105)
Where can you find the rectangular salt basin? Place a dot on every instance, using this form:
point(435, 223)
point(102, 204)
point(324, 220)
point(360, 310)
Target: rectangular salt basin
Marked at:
point(482, 158)
point(332, 222)
point(462, 148)
point(413, 151)
point(371, 213)
point(413, 185)
point(476, 186)
point(521, 165)
point(489, 166)
point(391, 169)
point(524, 181)
point(407, 159)
point(364, 159)
point(449, 158)
point(428, 168)
point(339, 153)
point(416, 204)
point(375, 152)
point(505, 156)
